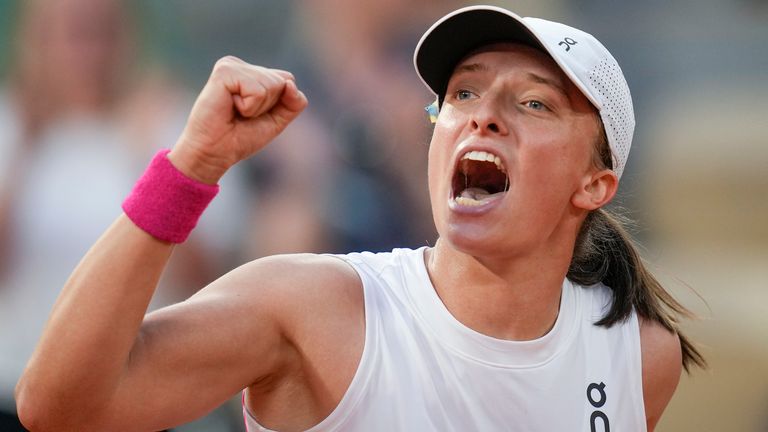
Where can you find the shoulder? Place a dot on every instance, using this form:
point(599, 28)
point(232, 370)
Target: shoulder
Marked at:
point(662, 367)
point(286, 293)
point(299, 267)
point(290, 301)
point(287, 282)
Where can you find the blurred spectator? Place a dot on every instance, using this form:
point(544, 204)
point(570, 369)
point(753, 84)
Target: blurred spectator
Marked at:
point(365, 121)
point(78, 123)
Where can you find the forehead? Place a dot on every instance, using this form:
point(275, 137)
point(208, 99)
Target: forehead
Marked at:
point(510, 54)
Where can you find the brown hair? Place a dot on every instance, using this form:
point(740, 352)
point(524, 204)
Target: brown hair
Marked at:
point(605, 252)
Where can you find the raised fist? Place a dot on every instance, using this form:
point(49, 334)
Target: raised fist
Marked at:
point(239, 111)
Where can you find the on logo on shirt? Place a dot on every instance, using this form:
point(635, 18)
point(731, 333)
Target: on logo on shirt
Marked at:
point(598, 403)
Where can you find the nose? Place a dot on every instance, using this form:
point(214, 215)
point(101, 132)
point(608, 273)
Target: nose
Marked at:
point(488, 118)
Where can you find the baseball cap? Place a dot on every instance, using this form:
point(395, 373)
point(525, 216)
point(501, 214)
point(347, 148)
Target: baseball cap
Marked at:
point(583, 59)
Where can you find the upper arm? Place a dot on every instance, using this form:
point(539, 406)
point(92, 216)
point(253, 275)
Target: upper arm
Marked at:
point(662, 366)
point(193, 356)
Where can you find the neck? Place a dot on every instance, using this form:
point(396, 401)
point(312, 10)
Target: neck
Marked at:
point(507, 298)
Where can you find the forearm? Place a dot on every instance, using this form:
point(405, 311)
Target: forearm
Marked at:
point(94, 324)
point(92, 367)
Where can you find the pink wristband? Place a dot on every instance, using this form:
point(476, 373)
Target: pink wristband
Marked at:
point(165, 203)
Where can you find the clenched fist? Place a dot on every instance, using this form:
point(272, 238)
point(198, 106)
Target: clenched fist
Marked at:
point(239, 111)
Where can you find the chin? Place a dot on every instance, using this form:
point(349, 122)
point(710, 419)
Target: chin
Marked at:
point(474, 240)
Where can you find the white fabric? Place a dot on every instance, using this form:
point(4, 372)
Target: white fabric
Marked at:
point(422, 370)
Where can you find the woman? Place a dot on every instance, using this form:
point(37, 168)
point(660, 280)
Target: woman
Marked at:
point(507, 323)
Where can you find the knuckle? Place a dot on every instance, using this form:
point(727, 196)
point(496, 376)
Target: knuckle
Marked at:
point(259, 91)
point(229, 59)
point(225, 64)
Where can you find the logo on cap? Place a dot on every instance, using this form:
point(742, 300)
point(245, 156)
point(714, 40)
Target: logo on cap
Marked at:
point(567, 43)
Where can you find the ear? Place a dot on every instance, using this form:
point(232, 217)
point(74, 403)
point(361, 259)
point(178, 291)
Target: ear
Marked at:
point(596, 190)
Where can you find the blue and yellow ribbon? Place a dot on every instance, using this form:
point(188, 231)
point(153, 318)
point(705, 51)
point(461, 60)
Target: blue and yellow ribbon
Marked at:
point(432, 110)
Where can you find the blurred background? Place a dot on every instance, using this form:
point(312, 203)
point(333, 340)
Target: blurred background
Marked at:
point(90, 89)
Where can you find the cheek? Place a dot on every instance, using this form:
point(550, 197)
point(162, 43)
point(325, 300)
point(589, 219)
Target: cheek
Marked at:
point(544, 157)
point(450, 123)
point(558, 155)
point(546, 176)
point(438, 176)
point(444, 136)
point(432, 166)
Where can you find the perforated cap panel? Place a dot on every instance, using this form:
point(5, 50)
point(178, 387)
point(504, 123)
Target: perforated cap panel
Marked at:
point(617, 112)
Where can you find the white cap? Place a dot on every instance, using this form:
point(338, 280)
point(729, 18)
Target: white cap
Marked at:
point(581, 57)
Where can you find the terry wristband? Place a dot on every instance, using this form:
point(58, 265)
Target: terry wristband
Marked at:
point(166, 203)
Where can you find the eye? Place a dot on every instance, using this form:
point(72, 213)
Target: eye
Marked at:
point(464, 94)
point(536, 105)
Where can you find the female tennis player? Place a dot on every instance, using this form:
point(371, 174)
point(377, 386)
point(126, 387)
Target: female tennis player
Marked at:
point(532, 312)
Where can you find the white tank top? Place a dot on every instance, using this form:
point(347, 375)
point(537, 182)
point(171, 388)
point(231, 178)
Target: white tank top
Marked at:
point(422, 370)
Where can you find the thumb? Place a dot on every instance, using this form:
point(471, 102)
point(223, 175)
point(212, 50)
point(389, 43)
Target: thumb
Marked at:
point(291, 104)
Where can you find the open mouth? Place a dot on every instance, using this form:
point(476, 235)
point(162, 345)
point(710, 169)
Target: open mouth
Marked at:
point(479, 177)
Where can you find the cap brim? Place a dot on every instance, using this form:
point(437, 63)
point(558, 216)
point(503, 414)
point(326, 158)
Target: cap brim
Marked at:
point(456, 34)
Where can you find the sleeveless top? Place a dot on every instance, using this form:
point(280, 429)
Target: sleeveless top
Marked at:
point(423, 370)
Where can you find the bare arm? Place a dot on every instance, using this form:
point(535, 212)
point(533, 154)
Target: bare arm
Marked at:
point(662, 366)
point(95, 357)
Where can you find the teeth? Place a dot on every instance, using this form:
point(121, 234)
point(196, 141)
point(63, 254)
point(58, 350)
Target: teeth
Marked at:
point(484, 156)
point(474, 197)
point(466, 201)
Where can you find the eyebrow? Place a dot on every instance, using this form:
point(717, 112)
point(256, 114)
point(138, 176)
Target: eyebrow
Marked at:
point(471, 67)
point(546, 81)
point(482, 67)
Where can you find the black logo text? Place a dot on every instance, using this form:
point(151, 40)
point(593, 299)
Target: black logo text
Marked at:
point(597, 397)
point(567, 43)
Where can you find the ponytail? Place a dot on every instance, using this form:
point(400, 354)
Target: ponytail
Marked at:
point(606, 253)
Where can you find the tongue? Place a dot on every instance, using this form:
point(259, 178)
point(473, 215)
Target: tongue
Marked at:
point(474, 193)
